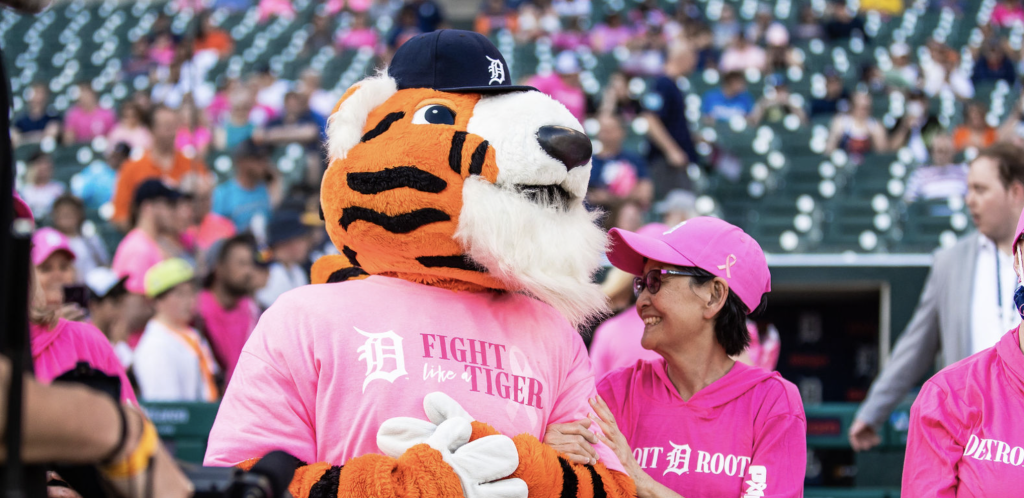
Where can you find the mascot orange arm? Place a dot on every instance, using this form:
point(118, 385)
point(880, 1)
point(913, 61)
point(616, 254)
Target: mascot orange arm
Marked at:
point(422, 473)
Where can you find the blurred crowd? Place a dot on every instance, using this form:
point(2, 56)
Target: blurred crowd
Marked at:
point(197, 258)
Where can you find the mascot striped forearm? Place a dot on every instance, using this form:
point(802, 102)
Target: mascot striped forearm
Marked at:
point(465, 261)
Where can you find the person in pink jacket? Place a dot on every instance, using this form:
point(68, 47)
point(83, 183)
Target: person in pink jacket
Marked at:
point(695, 422)
point(966, 438)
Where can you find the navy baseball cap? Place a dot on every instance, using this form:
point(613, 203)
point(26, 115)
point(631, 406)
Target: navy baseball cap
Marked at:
point(452, 60)
point(154, 188)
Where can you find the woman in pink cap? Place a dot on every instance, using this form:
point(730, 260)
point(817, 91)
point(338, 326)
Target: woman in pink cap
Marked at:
point(59, 344)
point(966, 438)
point(695, 422)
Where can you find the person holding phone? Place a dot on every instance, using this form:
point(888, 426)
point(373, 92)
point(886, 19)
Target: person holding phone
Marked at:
point(54, 261)
point(59, 344)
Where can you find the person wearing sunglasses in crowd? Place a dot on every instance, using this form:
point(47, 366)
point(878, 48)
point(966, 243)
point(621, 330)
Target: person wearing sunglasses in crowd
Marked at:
point(965, 436)
point(695, 422)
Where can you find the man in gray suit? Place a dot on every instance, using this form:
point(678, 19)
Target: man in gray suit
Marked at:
point(968, 293)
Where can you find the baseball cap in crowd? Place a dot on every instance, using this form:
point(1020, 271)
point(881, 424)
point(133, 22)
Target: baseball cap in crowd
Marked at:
point(104, 282)
point(452, 60)
point(47, 241)
point(899, 49)
point(677, 200)
point(285, 225)
point(248, 149)
point(707, 243)
point(167, 275)
point(154, 188)
point(567, 63)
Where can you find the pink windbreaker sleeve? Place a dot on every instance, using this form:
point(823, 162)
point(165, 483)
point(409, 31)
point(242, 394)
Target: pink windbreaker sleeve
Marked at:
point(572, 404)
point(781, 446)
point(269, 404)
point(933, 454)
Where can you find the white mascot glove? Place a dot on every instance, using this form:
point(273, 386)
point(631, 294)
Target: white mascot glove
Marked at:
point(396, 435)
point(479, 464)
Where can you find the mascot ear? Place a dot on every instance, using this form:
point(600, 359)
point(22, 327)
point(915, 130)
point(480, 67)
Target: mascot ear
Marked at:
point(345, 126)
point(344, 131)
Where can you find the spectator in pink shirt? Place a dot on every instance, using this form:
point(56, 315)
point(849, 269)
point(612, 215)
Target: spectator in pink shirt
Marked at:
point(359, 34)
point(742, 55)
point(276, 8)
point(86, 120)
point(194, 134)
point(611, 33)
point(59, 345)
point(563, 84)
point(1007, 12)
point(54, 263)
point(572, 37)
point(130, 129)
point(154, 215)
point(226, 308)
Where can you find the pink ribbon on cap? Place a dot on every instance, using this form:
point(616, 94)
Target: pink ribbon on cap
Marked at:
point(729, 263)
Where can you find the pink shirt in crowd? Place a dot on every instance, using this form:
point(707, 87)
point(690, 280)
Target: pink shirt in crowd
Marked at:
point(743, 435)
point(198, 140)
point(359, 37)
point(572, 98)
point(227, 330)
point(88, 125)
point(136, 254)
point(327, 364)
point(57, 350)
point(1003, 15)
point(605, 38)
point(136, 138)
point(616, 345)
point(966, 438)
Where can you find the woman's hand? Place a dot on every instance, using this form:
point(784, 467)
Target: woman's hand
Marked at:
point(574, 440)
point(71, 312)
point(613, 436)
point(646, 487)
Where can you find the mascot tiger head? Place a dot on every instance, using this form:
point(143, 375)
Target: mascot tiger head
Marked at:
point(441, 172)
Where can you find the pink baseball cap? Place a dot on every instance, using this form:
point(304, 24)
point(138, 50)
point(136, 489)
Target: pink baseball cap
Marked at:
point(21, 209)
point(707, 243)
point(1020, 231)
point(47, 241)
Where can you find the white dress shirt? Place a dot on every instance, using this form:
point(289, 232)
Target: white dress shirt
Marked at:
point(988, 321)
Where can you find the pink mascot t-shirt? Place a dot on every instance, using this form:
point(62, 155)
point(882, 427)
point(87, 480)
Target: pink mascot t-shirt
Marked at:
point(318, 382)
point(744, 435)
point(966, 437)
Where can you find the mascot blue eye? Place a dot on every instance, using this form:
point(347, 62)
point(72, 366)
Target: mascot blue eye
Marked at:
point(434, 114)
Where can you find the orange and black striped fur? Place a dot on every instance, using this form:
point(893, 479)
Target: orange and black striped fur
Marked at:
point(420, 473)
point(391, 199)
point(392, 204)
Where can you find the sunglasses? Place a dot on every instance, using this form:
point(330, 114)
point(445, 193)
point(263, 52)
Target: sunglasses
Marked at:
point(652, 280)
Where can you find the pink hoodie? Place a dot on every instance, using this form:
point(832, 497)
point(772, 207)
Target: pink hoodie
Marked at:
point(743, 435)
point(966, 438)
point(327, 364)
point(57, 350)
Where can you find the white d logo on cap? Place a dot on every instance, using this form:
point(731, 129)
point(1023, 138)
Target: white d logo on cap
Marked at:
point(497, 71)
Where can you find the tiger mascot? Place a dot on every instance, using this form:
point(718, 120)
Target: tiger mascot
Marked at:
point(455, 200)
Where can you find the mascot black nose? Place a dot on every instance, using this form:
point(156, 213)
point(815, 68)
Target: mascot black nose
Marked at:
point(567, 145)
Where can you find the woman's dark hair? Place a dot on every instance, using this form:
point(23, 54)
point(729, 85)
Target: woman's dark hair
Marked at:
point(731, 321)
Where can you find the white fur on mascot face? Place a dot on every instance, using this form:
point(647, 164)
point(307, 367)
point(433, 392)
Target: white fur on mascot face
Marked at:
point(548, 246)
